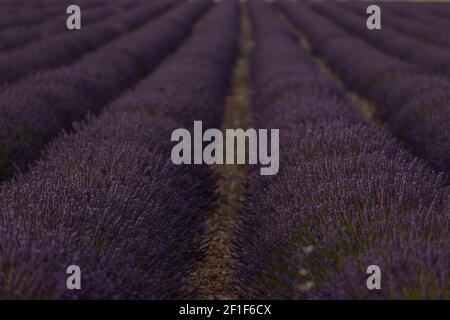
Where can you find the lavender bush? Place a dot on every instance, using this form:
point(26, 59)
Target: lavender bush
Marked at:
point(65, 48)
point(85, 151)
point(404, 46)
point(15, 37)
point(108, 197)
point(345, 196)
point(428, 30)
point(56, 98)
point(10, 18)
point(417, 111)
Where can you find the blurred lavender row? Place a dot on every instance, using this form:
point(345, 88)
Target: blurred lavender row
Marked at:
point(37, 109)
point(430, 32)
point(27, 13)
point(65, 48)
point(347, 195)
point(15, 37)
point(108, 197)
point(27, 17)
point(438, 9)
point(420, 14)
point(414, 104)
point(389, 40)
point(25, 5)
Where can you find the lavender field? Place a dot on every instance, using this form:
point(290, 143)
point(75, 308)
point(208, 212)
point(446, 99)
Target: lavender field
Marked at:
point(87, 125)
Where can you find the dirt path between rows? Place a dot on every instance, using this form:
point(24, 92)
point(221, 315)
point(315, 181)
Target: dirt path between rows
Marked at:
point(363, 106)
point(215, 276)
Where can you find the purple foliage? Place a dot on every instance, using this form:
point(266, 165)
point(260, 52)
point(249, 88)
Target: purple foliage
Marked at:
point(410, 110)
point(388, 39)
point(28, 17)
point(407, 263)
point(439, 11)
point(432, 33)
point(16, 13)
point(65, 48)
point(13, 38)
point(56, 98)
point(86, 118)
point(345, 191)
point(108, 198)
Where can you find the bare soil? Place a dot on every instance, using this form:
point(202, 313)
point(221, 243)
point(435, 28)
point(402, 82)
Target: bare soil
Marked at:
point(215, 276)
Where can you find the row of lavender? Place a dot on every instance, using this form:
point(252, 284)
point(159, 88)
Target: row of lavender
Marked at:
point(415, 104)
point(404, 46)
point(108, 198)
point(430, 13)
point(440, 9)
point(347, 196)
point(402, 18)
point(36, 109)
point(27, 12)
point(14, 37)
point(67, 47)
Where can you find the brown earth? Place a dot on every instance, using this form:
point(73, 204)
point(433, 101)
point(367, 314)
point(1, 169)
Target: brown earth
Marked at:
point(214, 277)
